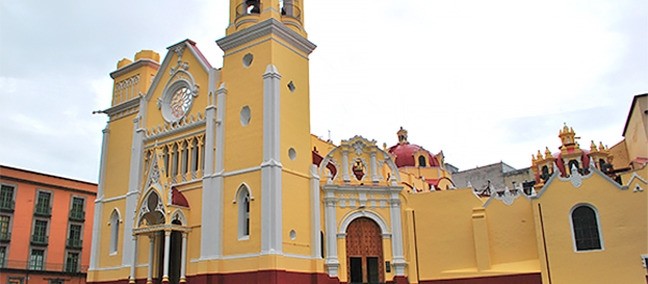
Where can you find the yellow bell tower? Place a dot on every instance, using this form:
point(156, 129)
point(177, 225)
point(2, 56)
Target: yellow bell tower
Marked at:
point(262, 145)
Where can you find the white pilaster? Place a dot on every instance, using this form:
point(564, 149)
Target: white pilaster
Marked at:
point(134, 182)
point(316, 245)
point(398, 260)
point(98, 206)
point(271, 193)
point(221, 96)
point(332, 263)
point(212, 194)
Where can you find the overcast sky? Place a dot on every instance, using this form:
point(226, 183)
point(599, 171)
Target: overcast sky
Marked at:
point(484, 81)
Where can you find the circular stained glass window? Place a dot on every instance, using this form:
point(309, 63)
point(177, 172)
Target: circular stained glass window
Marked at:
point(177, 101)
point(180, 102)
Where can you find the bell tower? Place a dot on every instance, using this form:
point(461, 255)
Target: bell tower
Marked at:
point(246, 13)
point(262, 140)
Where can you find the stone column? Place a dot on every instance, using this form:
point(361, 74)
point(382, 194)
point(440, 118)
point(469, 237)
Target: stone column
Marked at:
point(131, 278)
point(183, 260)
point(167, 251)
point(149, 276)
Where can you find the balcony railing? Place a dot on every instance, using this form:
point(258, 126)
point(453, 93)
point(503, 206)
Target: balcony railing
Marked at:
point(7, 205)
point(44, 211)
point(5, 237)
point(74, 243)
point(77, 215)
point(47, 266)
point(39, 240)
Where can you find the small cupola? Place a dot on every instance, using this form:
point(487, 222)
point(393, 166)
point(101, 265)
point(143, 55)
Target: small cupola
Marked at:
point(568, 137)
point(402, 136)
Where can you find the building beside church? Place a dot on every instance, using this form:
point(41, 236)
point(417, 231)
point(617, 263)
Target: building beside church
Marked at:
point(45, 227)
point(486, 178)
point(211, 175)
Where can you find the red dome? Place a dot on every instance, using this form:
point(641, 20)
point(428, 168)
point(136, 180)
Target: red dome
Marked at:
point(404, 155)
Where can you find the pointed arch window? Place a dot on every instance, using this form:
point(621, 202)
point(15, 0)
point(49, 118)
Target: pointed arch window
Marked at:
point(184, 168)
point(243, 201)
point(174, 161)
point(114, 231)
point(194, 155)
point(586, 229)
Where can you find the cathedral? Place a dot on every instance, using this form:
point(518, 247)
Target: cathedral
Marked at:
point(211, 176)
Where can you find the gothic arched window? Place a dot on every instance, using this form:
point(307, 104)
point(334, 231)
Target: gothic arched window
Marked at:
point(114, 231)
point(243, 201)
point(585, 228)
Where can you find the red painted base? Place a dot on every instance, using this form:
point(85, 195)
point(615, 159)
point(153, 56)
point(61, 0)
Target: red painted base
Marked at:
point(400, 280)
point(263, 277)
point(257, 277)
point(288, 277)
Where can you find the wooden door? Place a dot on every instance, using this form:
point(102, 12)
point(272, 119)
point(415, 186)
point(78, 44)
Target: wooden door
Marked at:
point(364, 252)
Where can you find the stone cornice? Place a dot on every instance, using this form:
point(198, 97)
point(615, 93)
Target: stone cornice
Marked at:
point(364, 188)
point(123, 107)
point(270, 26)
point(133, 66)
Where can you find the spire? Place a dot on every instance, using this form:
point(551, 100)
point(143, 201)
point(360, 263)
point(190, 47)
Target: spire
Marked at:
point(593, 146)
point(547, 153)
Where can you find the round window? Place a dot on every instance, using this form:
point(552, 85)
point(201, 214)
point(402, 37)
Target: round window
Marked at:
point(176, 102)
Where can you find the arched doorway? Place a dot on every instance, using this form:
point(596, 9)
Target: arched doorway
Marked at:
point(364, 252)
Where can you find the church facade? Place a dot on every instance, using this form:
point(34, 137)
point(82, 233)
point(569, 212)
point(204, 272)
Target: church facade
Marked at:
point(211, 175)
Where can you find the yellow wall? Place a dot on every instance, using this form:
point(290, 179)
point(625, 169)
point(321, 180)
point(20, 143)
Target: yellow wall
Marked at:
point(622, 225)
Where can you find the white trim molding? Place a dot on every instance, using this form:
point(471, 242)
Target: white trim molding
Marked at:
point(346, 220)
point(265, 28)
point(271, 168)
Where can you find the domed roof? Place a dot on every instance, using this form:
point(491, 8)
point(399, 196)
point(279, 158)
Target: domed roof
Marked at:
point(404, 152)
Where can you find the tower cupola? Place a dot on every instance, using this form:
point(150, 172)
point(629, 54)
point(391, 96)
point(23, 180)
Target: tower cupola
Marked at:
point(402, 136)
point(246, 13)
point(568, 137)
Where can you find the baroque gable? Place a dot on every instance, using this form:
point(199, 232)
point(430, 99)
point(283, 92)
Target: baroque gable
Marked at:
point(358, 162)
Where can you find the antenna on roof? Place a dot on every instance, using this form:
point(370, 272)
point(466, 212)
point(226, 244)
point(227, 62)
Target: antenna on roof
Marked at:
point(329, 135)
